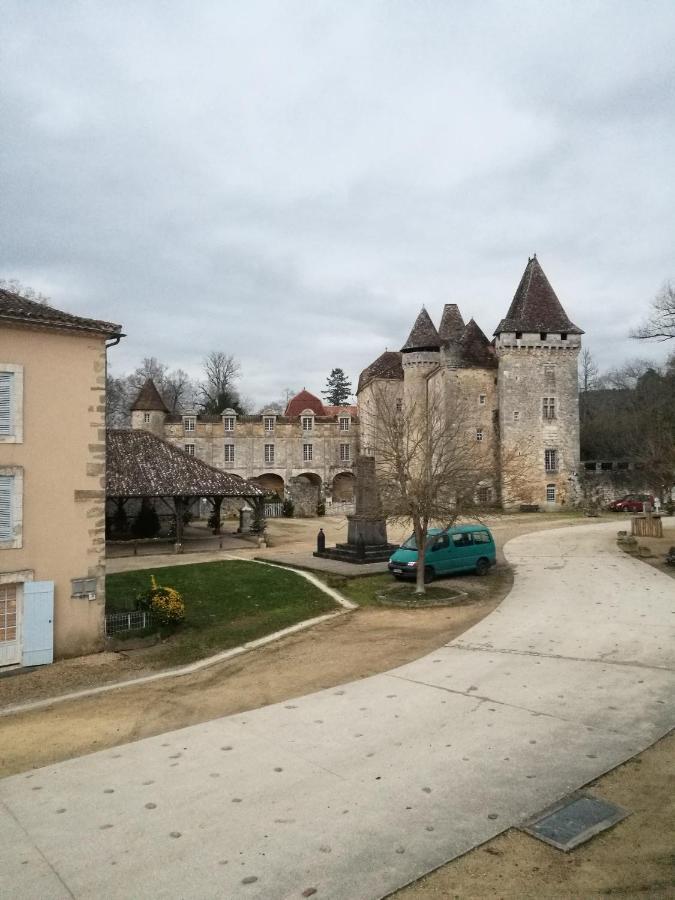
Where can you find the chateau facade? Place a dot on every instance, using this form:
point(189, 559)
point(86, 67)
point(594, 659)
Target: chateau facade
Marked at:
point(519, 392)
point(310, 443)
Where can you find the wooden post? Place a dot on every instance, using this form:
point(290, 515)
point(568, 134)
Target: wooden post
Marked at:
point(217, 503)
point(179, 507)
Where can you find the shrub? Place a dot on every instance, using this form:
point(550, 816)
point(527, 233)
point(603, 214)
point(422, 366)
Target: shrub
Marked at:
point(165, 604)
point(288, 508)
point(146, 523)
point(321, 508)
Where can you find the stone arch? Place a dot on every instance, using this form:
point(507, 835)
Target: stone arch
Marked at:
point(271, 483)
point(343, 487)
point(311, 478)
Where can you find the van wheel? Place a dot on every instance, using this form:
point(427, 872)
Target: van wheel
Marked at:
point(428, 574)
point(482, 566)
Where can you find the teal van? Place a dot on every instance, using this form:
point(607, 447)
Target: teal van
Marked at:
point(464, 548)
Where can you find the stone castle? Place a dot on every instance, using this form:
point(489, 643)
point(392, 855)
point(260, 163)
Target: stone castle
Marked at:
point(520, 390)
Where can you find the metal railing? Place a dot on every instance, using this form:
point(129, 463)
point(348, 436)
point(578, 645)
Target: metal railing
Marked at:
point(127, 621)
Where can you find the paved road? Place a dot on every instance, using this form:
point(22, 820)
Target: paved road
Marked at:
point(357, 790)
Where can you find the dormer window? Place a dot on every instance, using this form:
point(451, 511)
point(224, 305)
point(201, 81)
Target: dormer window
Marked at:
point(344, 423)
point(229, 419)
point(543, 335)
point(519, 335)
point(268, 423)
point(563, 336)
point(189, 423)
point(307, 423)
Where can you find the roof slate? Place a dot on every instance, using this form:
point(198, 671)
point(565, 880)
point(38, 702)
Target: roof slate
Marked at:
point(535, 306)
point(475, 347)
point(149, 398)
point(139, 464)
point(388, 365)
point(452, 324)
point(423, 335)
point(14, 308)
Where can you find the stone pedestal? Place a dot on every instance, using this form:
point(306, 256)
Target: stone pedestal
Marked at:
point(367, 528)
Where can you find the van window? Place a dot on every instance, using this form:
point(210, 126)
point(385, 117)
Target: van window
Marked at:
point(480, 537)
point(440, 542)
point(462, 540)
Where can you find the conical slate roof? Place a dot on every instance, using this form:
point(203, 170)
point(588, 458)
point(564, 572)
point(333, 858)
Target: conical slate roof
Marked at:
point(149, 398)
point(452, 323)
point(423, 335)
point(476, 349)
point(535, 306)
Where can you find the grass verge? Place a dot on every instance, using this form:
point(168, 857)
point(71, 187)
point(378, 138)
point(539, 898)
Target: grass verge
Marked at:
point(226, 604)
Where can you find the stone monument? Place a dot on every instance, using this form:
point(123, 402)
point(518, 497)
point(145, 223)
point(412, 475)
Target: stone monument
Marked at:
point(367, 527)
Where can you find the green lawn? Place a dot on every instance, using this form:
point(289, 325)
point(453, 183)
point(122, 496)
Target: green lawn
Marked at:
point(226, 604)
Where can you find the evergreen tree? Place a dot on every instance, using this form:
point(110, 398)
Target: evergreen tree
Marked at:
point(338, 388)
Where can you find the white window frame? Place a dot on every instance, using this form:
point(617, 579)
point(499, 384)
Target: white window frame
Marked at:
point(345, 452)
point(269, 423)
point(189, 424)
point(516, 415)
point(550, 493)
point(482, 399)
point(228, 423)
point(307, 423)
point(146, 418)
point(15, 435)
point(548, 410)
point(268, 454)
point(15, 539)
point(228, 453)
point(551, 453)
point(307, 452)
point(189, 449)
point(484, 493)
point(344, 423)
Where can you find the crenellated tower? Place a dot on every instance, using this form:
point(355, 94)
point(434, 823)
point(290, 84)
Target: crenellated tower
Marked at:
point(537, 348)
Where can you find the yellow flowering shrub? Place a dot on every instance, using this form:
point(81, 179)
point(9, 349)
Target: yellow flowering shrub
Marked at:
point(166, 604)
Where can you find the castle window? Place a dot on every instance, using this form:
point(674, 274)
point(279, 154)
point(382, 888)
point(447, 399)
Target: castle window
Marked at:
point(268, 423)
point(549, 374)
point(228, 423)
point(551, 460)
point(269, 453)
point(146, 418)
point(543, 335)
point(344, 423)
point(519, 335)
point(307, 452)
point(190, 449)
point(399, 405)
point(606, 466)
point(229, 453)
point(548, 407)
point(550, 493)
point(345, 452)
point(307, 423)
point(484, 495)
point(189, 423)
point(516, 415)
point(481, 399)
point(563, 336)
point(479, 434)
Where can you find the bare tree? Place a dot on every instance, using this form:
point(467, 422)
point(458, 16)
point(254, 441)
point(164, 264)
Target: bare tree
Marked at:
point(150, 367)
point(218, 390)
point(589, 374)
point(179, 391)
point(660, 324)
point(14, 286)
point(429, 464)
point(116, 402)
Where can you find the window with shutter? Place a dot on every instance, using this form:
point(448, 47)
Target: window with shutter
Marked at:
point(6, 491)
point(6, 382)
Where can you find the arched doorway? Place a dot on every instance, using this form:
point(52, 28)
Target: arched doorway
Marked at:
point(311, 478)
point(271, 483)
point(343, 487)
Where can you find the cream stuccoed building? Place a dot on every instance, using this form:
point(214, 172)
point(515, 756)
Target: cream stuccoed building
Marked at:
point(519, 391)
point(311, 443)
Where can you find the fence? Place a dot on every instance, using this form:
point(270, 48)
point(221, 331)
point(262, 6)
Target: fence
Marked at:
point(127, 621)
point(273, 510)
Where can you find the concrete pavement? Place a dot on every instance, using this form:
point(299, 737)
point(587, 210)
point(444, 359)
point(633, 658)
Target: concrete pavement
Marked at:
point(357, 790)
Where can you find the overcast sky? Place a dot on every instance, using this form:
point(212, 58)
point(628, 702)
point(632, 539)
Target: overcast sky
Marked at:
point(291, 181)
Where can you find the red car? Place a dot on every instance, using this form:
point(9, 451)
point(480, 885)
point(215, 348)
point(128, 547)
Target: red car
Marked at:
point(631, 503)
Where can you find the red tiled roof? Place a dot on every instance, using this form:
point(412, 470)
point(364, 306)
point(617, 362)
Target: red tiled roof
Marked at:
point(14, 308)
point(302, 401)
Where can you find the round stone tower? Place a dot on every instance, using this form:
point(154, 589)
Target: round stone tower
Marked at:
point(149, 411)
point(421, 354)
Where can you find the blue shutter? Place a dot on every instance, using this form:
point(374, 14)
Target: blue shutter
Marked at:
point(38, 627)
point(6, 490)
point(6, 380)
